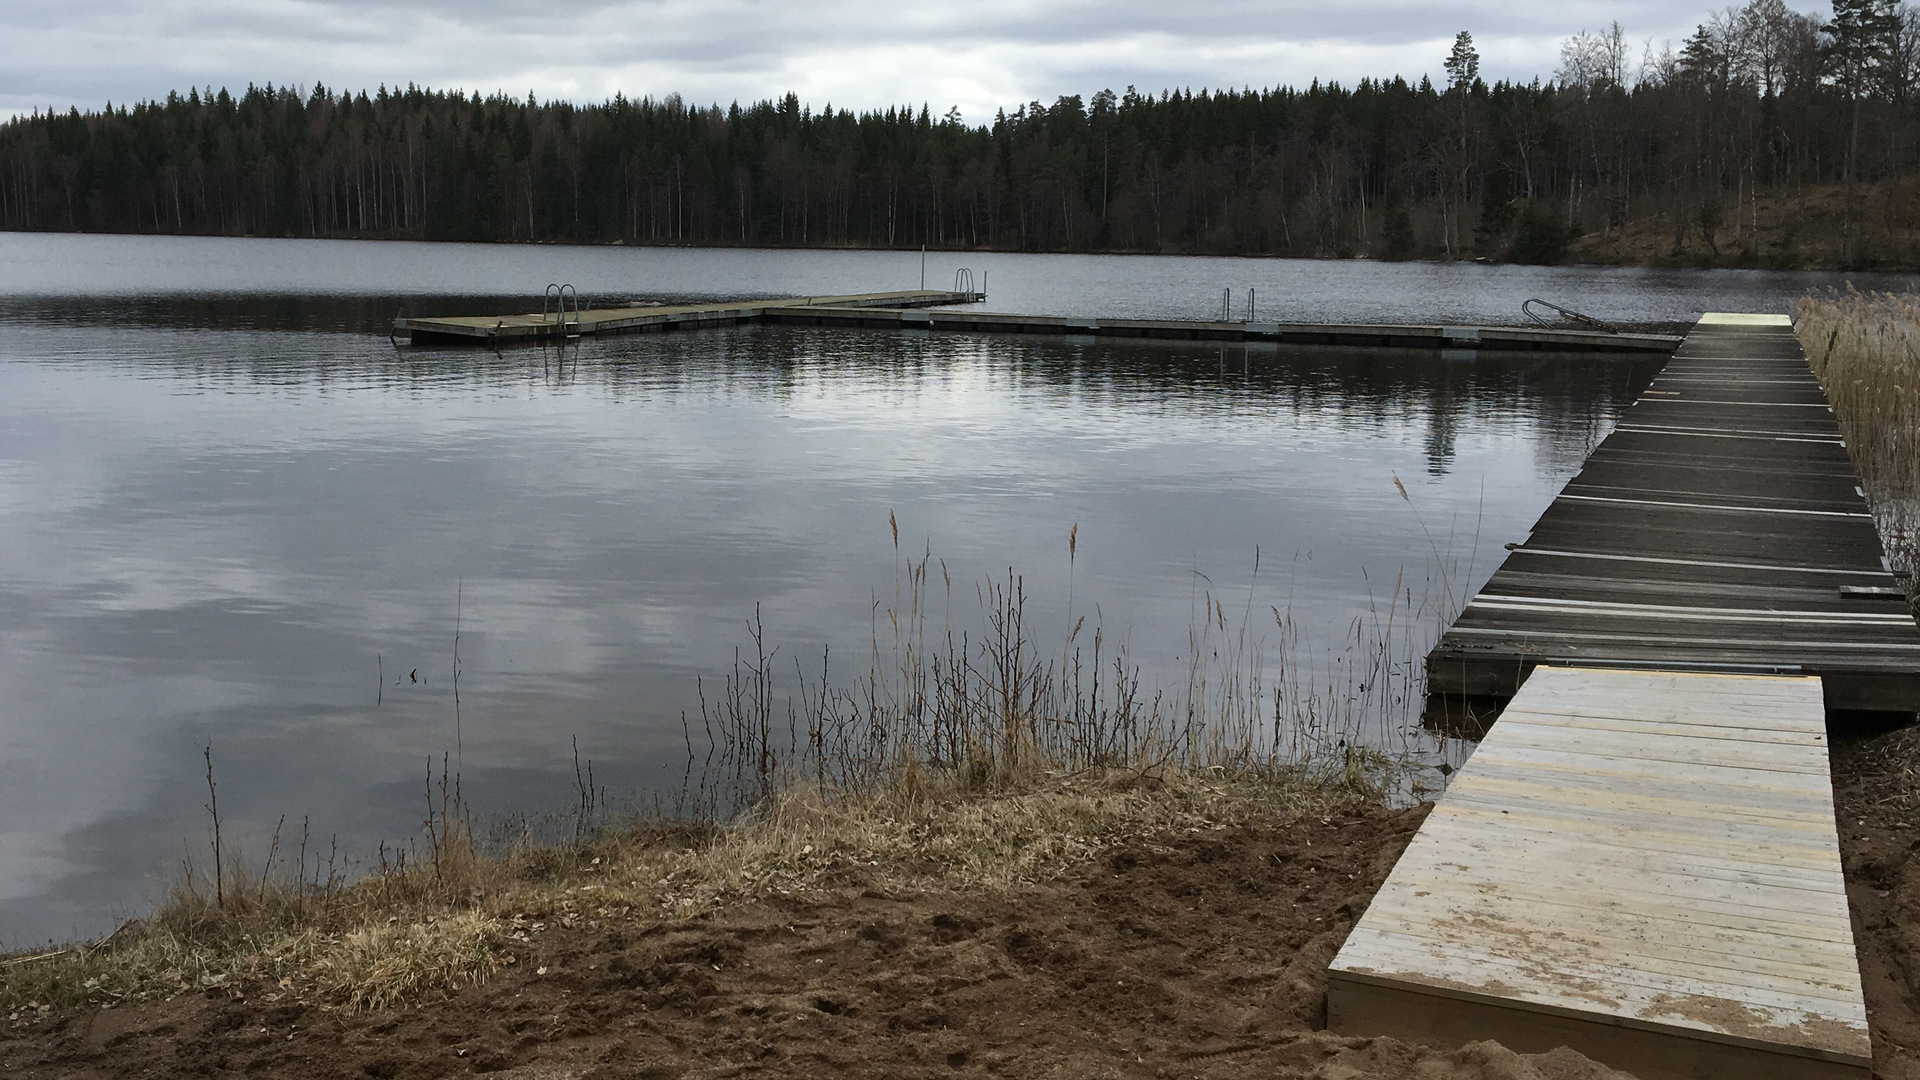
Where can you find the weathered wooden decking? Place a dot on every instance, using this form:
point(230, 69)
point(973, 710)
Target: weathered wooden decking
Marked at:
point(1640, 865)
point(1466, 339)
point(1719, 528)
point(907, 310)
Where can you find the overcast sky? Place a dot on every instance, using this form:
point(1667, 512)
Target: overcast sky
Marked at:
point(978, 55)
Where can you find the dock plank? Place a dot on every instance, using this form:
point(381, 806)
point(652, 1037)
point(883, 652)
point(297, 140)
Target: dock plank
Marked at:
point(1600, 875)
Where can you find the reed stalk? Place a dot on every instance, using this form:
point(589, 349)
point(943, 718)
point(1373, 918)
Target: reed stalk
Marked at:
point(1865, 349)
point(991, 711)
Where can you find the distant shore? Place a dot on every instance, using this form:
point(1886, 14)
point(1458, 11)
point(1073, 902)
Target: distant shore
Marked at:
point(1647, 244)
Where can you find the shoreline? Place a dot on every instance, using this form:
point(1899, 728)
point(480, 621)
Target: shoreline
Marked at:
point(1132, 924)
point(1589, 251)
point(1142, 923)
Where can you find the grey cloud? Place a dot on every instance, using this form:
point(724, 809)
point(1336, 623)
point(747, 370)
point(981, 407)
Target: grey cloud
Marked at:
point(860, 53)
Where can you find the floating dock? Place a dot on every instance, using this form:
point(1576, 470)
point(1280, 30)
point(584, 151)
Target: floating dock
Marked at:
point(1465, 338)
point(1640, 865)
point(639, 319)
point(1718, 528)
point(908, 310)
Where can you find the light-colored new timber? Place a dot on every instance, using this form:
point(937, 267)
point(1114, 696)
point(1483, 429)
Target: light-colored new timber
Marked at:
point(1642, 865)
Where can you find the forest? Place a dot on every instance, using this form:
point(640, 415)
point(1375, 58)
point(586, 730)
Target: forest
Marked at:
point(1767, 137)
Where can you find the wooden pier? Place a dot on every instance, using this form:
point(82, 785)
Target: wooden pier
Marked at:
point(1719, 528)
point(1640, 860)
point(908, 310)
point(1640, 865)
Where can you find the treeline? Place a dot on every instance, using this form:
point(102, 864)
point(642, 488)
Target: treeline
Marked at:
point(1759, 107)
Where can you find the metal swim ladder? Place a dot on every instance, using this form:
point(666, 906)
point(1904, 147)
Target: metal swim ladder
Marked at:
point(553, 308)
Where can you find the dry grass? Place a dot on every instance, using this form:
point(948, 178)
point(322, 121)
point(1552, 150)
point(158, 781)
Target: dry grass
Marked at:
point(986, 711)
point(414, 932)
point(1865, 347)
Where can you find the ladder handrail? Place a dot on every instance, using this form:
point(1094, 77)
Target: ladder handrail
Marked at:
point(1572, 316)
point(553, 307)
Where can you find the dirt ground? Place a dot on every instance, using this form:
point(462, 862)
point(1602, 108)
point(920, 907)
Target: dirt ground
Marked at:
point(1199, 955)
point(1877, 803)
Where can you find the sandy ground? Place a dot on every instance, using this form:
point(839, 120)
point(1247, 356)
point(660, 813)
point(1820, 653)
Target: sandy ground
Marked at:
point(1191, 955)
point(1877, 802)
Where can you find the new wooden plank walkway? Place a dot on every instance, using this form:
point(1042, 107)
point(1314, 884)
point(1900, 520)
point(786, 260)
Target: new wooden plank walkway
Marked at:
point(1640, 865)
point(907, 311)
point(1719, 528)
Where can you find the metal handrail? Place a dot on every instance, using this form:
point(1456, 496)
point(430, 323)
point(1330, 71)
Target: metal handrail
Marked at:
point(1572, 316)
point(963, 281)
point(553, 308)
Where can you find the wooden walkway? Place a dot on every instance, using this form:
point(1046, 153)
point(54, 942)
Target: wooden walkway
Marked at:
point(908, 311)
point(1719, 528)
point(1640, 865)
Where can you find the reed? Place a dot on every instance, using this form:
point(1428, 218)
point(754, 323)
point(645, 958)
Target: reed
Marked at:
point(987, 708)
point(1865, 348)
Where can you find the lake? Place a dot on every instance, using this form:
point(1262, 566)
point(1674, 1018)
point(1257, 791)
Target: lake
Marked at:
point(233, 515)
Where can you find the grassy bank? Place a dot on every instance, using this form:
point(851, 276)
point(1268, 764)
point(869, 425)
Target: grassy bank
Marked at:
point(418, 930)
point(1865, 348)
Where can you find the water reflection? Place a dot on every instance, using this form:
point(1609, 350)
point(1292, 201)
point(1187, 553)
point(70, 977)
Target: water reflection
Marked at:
point(264, 538)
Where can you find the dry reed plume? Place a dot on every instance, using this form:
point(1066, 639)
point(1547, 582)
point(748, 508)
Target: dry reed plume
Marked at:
point(1865, 348)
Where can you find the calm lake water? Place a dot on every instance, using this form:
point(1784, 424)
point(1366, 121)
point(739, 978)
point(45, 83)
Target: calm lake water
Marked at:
point(231, 513)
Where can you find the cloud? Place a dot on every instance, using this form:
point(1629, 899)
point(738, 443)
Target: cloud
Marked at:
point(856, 53)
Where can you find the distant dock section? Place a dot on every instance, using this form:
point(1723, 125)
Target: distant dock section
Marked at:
point(910, 310)
point(1375, 335)
point(573, 322)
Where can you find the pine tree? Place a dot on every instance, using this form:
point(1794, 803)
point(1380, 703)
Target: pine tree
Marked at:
point(1856, 54)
